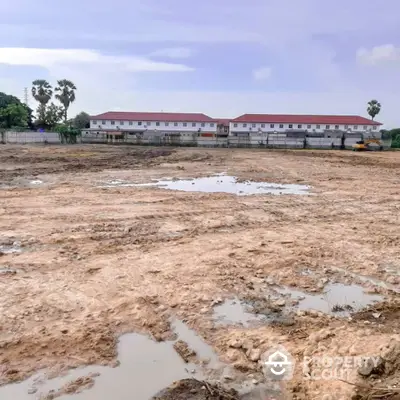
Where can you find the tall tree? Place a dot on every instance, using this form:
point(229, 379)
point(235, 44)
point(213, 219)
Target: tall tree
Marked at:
point(65, 94)
point(14, 115)
point(53, 115)
point(373, 109)
point(81, 121)
point(41, 92)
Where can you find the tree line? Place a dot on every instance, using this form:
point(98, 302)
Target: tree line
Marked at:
point(50, 116)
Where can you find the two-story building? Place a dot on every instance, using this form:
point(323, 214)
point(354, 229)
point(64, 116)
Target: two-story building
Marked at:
point(152, 124)
point(258, 124)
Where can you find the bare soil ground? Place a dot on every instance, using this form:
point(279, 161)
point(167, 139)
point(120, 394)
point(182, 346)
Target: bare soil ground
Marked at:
point(97, 262)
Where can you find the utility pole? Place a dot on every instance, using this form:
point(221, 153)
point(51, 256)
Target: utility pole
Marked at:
point(26, 96)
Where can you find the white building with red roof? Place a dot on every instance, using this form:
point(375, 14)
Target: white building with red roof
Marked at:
point(255, 124)
point(153, 123)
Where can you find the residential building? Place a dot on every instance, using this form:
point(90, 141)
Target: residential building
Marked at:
point(148, 124)
point(258, 124)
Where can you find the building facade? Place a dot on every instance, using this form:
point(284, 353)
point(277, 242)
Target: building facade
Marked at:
point(256, 124)
point(152, 124)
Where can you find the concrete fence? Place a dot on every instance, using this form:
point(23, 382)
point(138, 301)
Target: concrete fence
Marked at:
point(189, 140)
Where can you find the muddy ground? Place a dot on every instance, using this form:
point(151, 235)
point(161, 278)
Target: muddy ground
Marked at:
point(81, 263)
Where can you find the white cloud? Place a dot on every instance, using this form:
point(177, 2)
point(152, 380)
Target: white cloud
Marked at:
point(50, 58)
point(262, 74)
point(384, 54)
point(173, 52)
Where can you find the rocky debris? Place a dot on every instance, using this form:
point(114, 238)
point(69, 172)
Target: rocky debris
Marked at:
point(235, 343)
point(193, 389)
point(254, 355)
point(183, 349)
point(279, 303)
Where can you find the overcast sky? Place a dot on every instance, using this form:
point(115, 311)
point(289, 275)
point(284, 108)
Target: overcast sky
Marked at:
point(220, 57)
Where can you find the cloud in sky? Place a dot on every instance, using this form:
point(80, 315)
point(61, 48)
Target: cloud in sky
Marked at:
point(173, 52)
point(49, 58)
point(383, 54)
point(122, 54)
point(262, 74)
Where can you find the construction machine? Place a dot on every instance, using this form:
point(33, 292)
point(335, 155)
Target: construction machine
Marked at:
point(364, 145)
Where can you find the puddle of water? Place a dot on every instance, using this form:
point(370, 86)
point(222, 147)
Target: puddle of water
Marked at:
point(36, 182)
point(10, 249)
point(234, 312)
point(146, 367)
point(369, 279)
point(346, 298)
point(219, 184)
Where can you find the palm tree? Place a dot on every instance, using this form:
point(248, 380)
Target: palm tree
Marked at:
point(374, 107)
point(42, 92)
point(66, 94)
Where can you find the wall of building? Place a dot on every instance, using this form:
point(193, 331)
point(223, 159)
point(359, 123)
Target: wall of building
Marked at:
point(255, 127)
point(151, 125)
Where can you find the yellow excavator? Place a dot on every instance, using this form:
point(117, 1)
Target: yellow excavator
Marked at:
point(363, 145)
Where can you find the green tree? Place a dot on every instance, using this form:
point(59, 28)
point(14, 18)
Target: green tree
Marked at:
point(373, 109)
point(42, 93)
point(65, 94)
point(81, 121)
point(14, 115)
point(6, 99)
point(53, 115)
point(68, 134)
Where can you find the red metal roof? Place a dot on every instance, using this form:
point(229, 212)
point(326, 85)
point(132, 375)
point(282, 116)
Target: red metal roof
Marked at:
point(153, 116)
point(223, 121)
point(305, 119)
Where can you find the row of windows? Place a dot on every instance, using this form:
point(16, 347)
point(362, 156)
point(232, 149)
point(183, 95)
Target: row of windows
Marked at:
point(140, 123)
point(300, 126)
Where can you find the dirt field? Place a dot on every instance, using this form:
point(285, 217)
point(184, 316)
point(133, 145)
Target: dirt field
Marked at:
point(92, 262)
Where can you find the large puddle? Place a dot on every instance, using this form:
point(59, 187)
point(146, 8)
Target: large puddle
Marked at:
point(145, 368)
point(218, 184)
point(336, 299)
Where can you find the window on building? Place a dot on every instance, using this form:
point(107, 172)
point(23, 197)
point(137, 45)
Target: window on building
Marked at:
point(212, 125)
point(290, 126)
point(139, 123)
point(262, 125)
point(157, 124)
point(365, 127)
point(355, 127)
point(281, 126)
point(112, 122)
point(318, 126)
point(167, 124)
point(148, 124)
point(271, 125)
point(175, 124)
point(94, 122)
point(193, 123)
point(235, 125)
point(185, 124)
point(121, 122)
point(244, 125)
point(203, 124)
point(308, 126)
point(375, 128)
point(336, 126)
point(299, 126)
point(253, 125)
point(327, 127)
point(346, 127)
point(103, 122)
point(130, 123)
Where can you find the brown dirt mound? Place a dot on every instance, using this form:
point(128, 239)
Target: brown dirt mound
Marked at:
point(192, 389)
